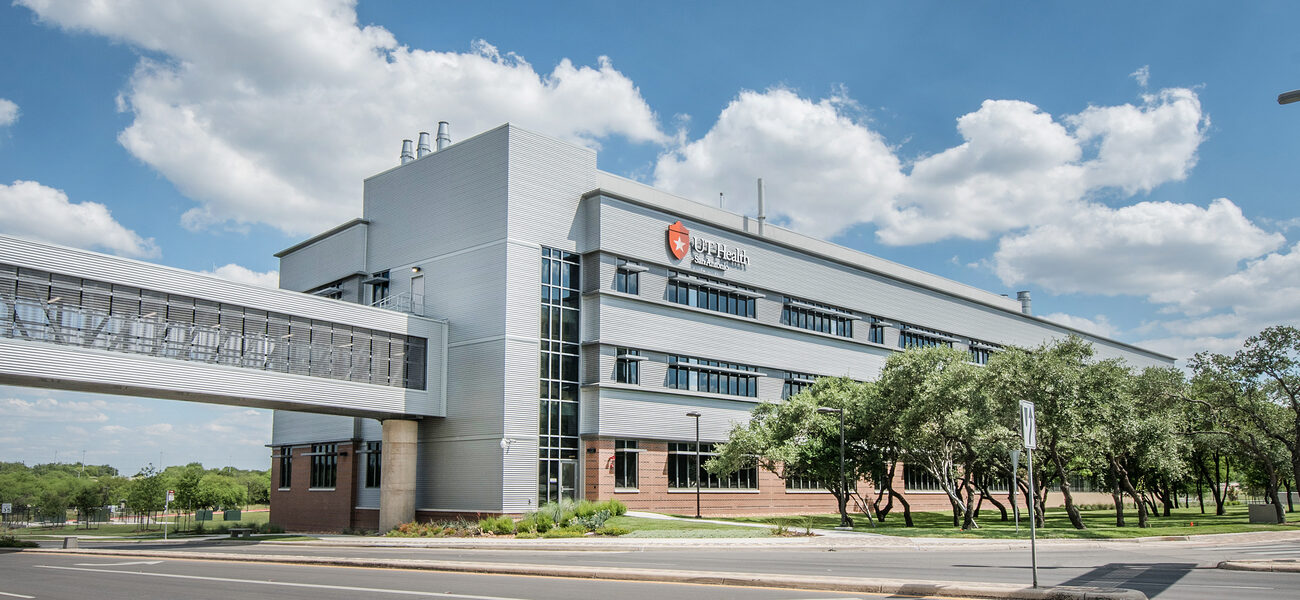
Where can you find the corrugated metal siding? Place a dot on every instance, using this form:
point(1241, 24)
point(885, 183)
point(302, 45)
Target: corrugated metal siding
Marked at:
point(62, 367)
point(468, 289)
point(289, 427)
point(474, 393)
point(447, 201)
point(637, 324)
point(547, 180)
point(637, 232)
point(326, 260)
point(459, 475)
point(630, 413)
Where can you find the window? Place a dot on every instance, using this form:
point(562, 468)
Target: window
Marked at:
point(803, 483)
point(378, 287)
point(877, 333)
point(917, 479)
point(700, 292)
point(324, 465)
point(817, 317)
point(795, 383)
point(374, 463)
point(625, 463)
point(628, 277)
point(919, 337)
point(683, 470)
point(701, 375)
point(627, 368)
point(980, 352)
point(558, 383)
point(286, 466)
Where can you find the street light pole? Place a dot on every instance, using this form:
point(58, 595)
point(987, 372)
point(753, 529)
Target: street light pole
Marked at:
point(696, 416)
point(1288, 97)
point(845, 523)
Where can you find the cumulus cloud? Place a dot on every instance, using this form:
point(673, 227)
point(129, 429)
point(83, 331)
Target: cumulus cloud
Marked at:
point(274, 112)
point(1142, 147)
point(1099, 325)
point(243, 274)
point(1154, 249)
point(32, 210)
point(8, 112)
point(830, 169)
point(51, 408)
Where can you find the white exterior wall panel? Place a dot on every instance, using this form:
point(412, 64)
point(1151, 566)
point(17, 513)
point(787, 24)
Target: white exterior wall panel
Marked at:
point(447, 201)
point(637, 232)
point(325, 260)
point(291, 427)
point(646, 415)
point(460, 476)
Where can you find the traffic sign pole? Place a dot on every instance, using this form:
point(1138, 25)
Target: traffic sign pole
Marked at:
point(1029, 430)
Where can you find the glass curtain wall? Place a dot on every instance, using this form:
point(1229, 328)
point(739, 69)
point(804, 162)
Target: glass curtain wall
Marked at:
point(557, 464)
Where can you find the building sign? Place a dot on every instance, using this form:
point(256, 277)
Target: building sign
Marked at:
point(706, 252)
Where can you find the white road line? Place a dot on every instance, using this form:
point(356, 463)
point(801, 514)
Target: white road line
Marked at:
point(121, 564)
point(1235, 587)
point(318, 586)
point(1275, 552)
point(15, 595)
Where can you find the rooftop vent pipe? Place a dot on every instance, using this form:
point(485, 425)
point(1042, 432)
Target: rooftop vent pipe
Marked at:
point(1023, 297)
point(406, 152)
point(444, 138)
point(422, 149)
point(762, 207)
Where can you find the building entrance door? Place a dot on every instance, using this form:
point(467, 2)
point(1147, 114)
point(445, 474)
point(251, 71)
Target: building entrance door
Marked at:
point(417, 295)
point(569, 479)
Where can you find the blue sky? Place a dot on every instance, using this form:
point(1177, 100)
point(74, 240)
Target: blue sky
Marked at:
point(1126, 162)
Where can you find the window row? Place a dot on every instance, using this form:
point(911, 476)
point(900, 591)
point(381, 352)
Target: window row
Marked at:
point(911, 336)
point(38, 305)
point(690, 293)
point(795, 383)
point(685, 468)
point(324, 466)
point(816, 317)
point(701, 375)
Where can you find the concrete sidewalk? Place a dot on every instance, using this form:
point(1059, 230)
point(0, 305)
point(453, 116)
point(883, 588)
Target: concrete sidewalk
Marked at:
point(951, 589)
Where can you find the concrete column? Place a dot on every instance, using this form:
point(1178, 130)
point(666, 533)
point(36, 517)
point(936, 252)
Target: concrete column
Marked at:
point(397, 483)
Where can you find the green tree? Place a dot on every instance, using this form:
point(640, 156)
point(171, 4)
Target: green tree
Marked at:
point(185, 481)
point(222, 491)
point(945, 422)
point(791, 439)
point(89, 495)
point(147, 493)
point(1272, 360)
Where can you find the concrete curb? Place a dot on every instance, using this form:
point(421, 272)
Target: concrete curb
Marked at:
point(958, 589)
point(1276, 565)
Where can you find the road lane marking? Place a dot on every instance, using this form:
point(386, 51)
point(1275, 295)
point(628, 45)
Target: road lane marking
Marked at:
point(15, 595)
point(121, 564)
point(318, 586)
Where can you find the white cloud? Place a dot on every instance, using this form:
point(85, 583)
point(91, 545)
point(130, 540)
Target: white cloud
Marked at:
point(1099, 325)
point(1142, 147)
point(8, 112)
point(824, 170)
point(157, 429)
point(30, 209)
point(1142, 75)
point(274, 112)
point(51, 408)
point(1154, 249)
point(243, 274)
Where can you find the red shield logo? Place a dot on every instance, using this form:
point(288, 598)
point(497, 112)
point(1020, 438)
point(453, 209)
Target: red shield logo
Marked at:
point(679, 240)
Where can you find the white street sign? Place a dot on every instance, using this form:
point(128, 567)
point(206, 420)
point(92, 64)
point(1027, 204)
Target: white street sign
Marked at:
point(171, 496)
point(1028, 426)
point(6, 508)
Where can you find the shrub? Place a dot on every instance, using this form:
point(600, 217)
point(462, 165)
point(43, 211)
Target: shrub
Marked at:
point(526, 535)
point(9, 541)
point(613, 530)
point(593, 522)
point(587, 508)
point(502, 525)
point(564, 532)
point(616, 507)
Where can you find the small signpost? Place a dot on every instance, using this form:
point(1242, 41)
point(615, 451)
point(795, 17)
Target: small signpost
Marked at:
point(171, 495)
point(1015, 468)
point(1029, 431)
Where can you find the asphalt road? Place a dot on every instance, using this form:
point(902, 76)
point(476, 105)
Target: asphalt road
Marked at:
point(1166, 570)
point(73, 577)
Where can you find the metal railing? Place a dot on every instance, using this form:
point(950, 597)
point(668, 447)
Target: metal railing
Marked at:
point(404, 302)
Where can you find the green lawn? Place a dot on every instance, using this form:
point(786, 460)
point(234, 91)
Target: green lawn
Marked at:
point(1100, 523)
point(669, 528)
point(135, 530)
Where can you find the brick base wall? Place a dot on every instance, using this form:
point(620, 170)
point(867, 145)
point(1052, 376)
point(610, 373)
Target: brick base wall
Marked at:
point(306, 510)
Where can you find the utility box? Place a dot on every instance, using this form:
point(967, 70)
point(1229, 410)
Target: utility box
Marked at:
point(202, 515)
point(232, 515)
point(1262, 513)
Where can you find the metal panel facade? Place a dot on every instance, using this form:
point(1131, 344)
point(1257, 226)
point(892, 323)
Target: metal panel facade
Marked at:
point(324, 260)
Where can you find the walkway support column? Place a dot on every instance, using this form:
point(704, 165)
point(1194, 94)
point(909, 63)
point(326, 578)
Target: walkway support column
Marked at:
point(397, 484)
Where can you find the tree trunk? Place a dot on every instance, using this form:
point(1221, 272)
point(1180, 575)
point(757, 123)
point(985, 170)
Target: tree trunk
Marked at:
point(1165, 493)
point(1128, 487)
point(1001, 508)
point(1290, 505)
point(1200, 492)
point(1118, 496)
point(968, 519)
point(1070, 509)
point(907, 508)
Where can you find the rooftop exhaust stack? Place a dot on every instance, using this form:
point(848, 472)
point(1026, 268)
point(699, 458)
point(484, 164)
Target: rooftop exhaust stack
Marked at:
point(423, 149)
point(1023, 297)
point(406, 152)
point(444, 138)
point(762, 207)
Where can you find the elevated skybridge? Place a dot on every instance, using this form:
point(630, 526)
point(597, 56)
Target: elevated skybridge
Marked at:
point(77, 320)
